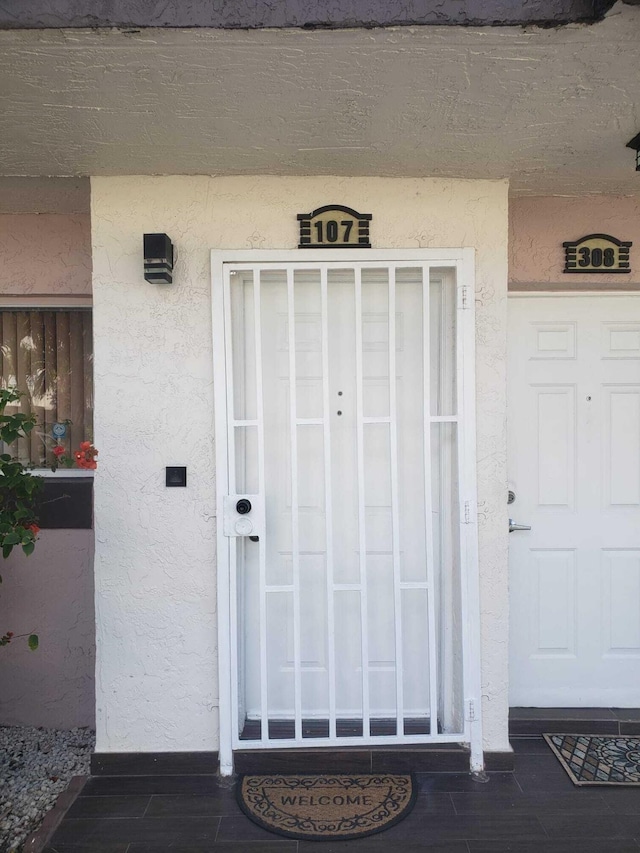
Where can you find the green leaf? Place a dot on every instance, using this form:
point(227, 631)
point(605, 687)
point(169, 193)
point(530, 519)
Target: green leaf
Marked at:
point(33, 642)
point(12, 538)
point(28, 548)
point(6, 550)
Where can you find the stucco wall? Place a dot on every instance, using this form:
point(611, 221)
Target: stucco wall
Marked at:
point(45, 254)
point(50, 593)
point(538, 226)
point(155, 547)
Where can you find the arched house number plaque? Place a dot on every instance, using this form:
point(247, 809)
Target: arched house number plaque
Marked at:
point(334, 227)
point(597, 253)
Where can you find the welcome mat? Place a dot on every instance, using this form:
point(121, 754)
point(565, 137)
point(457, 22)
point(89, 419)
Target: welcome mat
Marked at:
point(327, 807)
point(598, 759)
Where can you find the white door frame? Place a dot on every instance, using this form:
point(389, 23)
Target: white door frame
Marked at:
point(464, 262)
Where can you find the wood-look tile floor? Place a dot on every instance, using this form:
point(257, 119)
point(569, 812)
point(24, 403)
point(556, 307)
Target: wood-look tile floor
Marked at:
point(536, 809)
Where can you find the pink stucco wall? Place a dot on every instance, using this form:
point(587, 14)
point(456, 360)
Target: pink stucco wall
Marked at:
point(45, 253)
point(50, 593)
point(539, 226)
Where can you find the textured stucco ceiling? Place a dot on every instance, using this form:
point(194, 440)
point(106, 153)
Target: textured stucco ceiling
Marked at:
point(551, 109)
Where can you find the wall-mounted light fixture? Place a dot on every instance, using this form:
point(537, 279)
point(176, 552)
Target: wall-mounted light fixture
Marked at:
point(158, 258)
point(635, 144)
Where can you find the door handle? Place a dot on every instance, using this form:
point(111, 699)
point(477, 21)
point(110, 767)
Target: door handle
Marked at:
point(514, 526)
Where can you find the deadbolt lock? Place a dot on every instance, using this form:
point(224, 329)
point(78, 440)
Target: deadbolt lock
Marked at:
point(243, 515)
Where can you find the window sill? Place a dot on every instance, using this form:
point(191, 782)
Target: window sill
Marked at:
point(61, 472)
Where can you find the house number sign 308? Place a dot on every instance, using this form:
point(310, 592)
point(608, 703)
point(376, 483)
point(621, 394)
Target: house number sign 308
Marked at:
point(334, 227)
point(597, 253)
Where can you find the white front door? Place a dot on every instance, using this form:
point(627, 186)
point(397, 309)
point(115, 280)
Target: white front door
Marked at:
point(346, 429)
point(574, 466)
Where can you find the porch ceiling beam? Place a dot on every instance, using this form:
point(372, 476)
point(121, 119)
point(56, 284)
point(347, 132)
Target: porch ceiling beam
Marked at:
point(549, 109)
point(310, 14)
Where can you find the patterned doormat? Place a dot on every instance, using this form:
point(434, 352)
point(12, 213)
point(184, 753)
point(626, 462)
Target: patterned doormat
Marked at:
point(319, 808)
point(598, 759)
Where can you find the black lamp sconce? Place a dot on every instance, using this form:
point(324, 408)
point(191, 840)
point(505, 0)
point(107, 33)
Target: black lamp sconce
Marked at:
point(159, 258)
point(635, 144)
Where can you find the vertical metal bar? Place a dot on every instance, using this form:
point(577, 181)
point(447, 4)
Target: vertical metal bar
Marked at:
point(231, 467)
point(428, 508)
point(362, 536)
point(470, 581)
point(395, 510)
point(226, 681)
point(262, 545)
point(328, 503)
point(295, 536)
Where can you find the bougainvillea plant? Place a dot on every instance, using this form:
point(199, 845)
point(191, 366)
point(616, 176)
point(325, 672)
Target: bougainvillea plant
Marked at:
point(19, 488)
point(84, 457)
point(18, 493)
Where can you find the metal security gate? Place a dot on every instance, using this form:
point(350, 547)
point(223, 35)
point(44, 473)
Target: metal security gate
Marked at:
point(347, 554)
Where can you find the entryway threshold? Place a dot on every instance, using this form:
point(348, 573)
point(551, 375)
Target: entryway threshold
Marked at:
point(532, 722)
point(434, 758)
point(419, 758)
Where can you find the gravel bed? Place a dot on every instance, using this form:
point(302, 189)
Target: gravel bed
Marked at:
point(36, 765)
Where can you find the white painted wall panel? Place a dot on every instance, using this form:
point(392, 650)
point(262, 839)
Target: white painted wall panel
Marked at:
point(622, 453)
point(621, 601)
point(554, 597)
point(556, 446)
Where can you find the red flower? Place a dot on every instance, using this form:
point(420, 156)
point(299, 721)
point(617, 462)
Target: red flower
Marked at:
point(34, 528)
point(85, 445)
point(58, 450)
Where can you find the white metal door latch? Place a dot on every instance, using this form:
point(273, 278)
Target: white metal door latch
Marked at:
point(243, 515)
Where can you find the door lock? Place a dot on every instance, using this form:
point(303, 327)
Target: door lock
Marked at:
point(243, 515)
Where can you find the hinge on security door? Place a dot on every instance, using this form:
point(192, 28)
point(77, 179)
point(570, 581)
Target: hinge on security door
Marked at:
point(470, 710)
point(467, 512)
point(464, 297)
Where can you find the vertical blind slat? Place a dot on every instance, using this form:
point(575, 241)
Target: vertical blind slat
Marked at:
point(77, 381)
point(35, 345)
point(87, 332)
point(63, 359)
point(23, 371)
point(50, 368)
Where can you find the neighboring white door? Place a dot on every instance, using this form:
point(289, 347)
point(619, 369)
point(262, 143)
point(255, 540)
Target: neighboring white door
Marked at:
point(349, 424)
point(574, 466)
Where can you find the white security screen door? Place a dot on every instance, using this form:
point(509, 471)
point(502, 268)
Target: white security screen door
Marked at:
point(574, 465)
point(347, 547)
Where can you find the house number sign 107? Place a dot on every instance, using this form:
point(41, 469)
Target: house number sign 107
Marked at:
point(334, 227)
point(597, 253)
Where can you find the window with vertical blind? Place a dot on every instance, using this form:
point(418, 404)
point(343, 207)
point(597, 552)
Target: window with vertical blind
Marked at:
point(48, 355)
